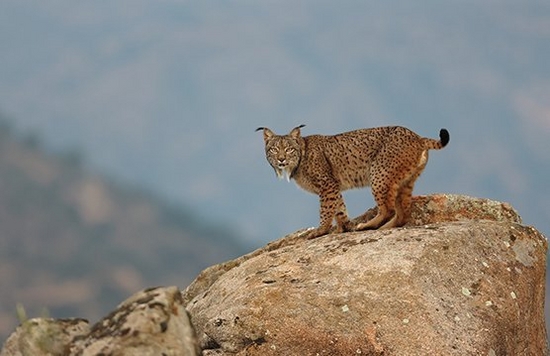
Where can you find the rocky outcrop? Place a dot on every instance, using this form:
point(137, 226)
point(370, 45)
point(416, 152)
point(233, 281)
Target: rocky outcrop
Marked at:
point(468, 281)
point(464, 277)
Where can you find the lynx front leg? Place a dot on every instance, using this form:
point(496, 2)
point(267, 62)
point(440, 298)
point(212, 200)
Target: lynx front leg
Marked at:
point(332, 206)
point(342, 219)
point(327, 211)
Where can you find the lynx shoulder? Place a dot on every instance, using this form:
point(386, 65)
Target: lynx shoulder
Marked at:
point(389, 159)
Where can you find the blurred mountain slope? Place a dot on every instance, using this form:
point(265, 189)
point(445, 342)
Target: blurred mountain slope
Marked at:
point(77, 244)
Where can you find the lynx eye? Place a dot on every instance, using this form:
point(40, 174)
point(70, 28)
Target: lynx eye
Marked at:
point(273, 150)
point(289, 150)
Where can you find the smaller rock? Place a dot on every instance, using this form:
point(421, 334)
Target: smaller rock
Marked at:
point(151, 322)
point(44, 336)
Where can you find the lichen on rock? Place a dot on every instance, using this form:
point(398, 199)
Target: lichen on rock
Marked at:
point(151, 322)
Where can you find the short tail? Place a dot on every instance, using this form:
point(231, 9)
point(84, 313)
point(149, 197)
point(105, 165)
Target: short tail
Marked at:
point(432, 144)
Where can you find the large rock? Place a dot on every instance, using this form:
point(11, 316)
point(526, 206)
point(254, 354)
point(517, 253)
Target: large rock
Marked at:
point(463, 277)
point(457, 286)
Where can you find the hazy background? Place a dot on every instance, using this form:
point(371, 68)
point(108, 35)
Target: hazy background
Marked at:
point(165, 95)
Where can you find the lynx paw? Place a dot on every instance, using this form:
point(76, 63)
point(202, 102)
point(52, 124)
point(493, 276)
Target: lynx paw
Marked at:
point(346, 227)
point(314, 233)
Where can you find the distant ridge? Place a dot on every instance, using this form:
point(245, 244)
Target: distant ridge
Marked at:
point(75, 243)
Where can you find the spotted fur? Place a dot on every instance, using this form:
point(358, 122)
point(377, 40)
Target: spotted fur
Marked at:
point(389, 159)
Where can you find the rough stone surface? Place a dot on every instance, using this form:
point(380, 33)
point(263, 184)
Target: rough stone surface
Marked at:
point(44, 336)
point(463, 277)
point(451, 207)
point(151, 322)
point(426, 210)
point(468, 281)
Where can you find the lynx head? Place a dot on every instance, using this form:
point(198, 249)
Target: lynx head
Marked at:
point(283, 152)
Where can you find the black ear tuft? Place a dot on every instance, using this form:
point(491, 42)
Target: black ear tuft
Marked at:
point(267, 133)
point(295, 133)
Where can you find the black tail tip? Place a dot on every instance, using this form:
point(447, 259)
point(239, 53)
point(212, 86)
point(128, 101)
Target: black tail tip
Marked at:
point(444, 137)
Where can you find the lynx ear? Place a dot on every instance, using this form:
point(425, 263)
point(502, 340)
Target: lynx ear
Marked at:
point(295, 133)
point(267, 132)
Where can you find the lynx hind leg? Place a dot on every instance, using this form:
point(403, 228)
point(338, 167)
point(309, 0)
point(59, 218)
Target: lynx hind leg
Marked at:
point(385, 197)
point(402, 207)
point(404, 196)
point(391, 190)
point(404, 199)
